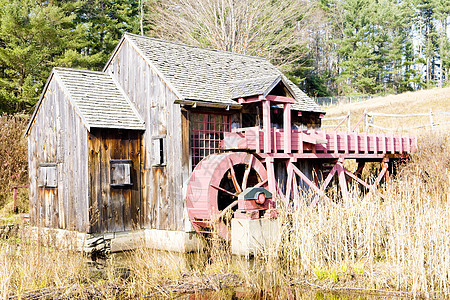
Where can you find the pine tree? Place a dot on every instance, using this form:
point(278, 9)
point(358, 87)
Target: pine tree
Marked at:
point(359, 67)
point(35, 36)
point(106, 22)
point(442, 15)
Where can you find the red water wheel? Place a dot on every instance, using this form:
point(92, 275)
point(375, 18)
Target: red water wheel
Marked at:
point(215, 185)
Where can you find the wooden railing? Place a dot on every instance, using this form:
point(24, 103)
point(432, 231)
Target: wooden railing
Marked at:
point(369, 121)
point(310, 141)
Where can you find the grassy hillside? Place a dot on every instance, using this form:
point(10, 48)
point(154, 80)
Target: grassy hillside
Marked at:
point(407, 103)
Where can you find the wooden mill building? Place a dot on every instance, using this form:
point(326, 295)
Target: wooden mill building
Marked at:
point(111, 152)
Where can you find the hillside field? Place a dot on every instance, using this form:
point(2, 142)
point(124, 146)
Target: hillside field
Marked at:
point(438, 100)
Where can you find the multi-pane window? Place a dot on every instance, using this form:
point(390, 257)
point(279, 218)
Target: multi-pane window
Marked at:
point(206, 133)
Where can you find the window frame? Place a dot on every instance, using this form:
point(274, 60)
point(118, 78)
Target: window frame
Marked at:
point(43, 178)
point(125, 162)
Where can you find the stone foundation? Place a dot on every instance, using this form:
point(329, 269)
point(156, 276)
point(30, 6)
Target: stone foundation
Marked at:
point(177, 241)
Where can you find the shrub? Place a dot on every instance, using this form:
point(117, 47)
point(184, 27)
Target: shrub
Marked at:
point(13, 158)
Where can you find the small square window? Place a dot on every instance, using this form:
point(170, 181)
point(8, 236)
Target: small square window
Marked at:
point(47, 175)
point(121, 173)
point(159, 153)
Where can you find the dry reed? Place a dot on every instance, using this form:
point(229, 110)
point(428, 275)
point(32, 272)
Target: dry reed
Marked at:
point(400, 241)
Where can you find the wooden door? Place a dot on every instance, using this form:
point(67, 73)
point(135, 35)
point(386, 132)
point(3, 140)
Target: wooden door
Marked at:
point(115, 186)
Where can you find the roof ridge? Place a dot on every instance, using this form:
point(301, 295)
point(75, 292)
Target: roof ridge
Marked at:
point(198, 47)
point(80, 70)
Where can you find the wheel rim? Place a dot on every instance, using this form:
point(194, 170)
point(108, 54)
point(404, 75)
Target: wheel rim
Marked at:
point(215, 184)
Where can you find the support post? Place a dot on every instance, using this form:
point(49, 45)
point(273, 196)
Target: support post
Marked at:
point(384, 165)
point(311, 184)
point(289, 182)
point(287, 127)
point(266, 126)
point(271, 175)
point(342, 181)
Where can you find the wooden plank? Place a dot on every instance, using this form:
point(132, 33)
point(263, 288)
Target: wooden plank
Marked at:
point(289, 182)
point(94, 185)
point(335, 139)
point(136, 201)
point(287, 127)
point(79, 204)
point(271, 175)
point(391, 138)
point(126, 148)
point(375, 143)
point(159, 194)
point(342, 180)
point(366, 143)
point(267, 127)
point(70, 172)
point(346, 143)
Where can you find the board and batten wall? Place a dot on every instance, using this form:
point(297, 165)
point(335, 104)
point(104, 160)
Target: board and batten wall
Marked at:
point(58, 136)
point(162, 184)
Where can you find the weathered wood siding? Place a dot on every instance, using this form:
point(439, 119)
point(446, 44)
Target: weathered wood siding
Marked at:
point(162, 184)
point(120, 208)
point(59, 136)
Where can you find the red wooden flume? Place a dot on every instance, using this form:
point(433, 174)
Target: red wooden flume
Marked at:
point(242, 179)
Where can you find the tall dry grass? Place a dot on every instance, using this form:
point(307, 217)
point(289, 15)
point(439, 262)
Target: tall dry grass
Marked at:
point(399, 241)
point(13, 160)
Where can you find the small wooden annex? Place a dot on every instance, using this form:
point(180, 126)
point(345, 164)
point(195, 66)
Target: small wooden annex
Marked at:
point(112, 151)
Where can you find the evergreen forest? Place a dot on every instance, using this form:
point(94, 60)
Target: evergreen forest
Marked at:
point(327, 47)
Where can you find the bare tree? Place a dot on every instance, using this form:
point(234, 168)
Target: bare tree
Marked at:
point(275, 29)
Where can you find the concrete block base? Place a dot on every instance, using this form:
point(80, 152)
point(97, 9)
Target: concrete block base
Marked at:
point(177, 241)
point(253, 237)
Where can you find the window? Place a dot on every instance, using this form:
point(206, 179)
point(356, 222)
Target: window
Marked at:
point(158, 147)
point(47, 175)
point(121, 173)
point(206, 133)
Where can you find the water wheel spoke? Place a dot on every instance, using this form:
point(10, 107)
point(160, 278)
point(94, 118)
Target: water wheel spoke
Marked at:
point(233, 177)
point(223, 190)
point(261, 183)
point(246, 173)
point(226, 209)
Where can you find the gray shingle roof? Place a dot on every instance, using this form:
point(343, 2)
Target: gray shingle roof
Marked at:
point(252, 87)
point(208, 75)
point(99, 100)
